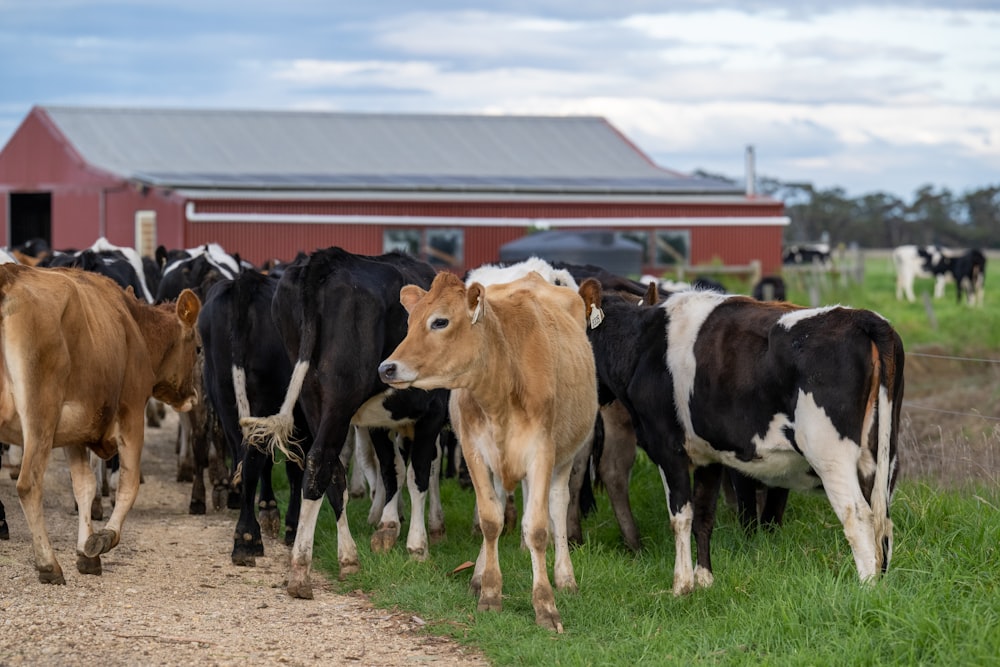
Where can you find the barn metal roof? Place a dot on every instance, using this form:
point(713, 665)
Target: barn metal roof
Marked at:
point(334, 151)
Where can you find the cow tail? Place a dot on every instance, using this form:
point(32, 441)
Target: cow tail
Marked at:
point(889, 360)
point(277, 431)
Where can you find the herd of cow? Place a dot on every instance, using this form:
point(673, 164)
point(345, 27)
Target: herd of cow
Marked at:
point(536, 367)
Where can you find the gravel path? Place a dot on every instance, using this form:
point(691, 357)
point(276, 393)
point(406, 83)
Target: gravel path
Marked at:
point(170, 596)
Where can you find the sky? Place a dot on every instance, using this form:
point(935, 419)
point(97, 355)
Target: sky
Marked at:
point(863, 96)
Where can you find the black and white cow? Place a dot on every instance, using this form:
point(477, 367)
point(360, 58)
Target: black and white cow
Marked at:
point(339, 316)
point(968, 269)
point(794, 397)
point(912, 262)
point(246, 372)
point(808, 254)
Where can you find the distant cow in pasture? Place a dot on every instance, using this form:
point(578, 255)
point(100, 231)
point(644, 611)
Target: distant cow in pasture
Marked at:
point(968, 269)
point(808, 254)
point(339, 315)
point(80, 358)
point(523, 402)
point(912, 262)
point(770, 288)
point(795, 397)
point(246, 372)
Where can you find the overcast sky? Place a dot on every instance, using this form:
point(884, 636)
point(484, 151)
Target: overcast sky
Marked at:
point(865, 96)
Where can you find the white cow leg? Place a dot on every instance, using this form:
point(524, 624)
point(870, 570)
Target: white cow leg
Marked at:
point(84, 492)
point(416, 538)
point(680, 523)
point(435, 510)
point(559, 500)
point(536, 535)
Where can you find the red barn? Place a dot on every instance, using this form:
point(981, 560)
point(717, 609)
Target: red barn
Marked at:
point(449, 188)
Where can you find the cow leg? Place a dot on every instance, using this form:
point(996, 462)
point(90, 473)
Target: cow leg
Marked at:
point(615, 468)
point(707, 482)
point(323, 474)
point(745, 490)
point(677, 488)
point(579, 468)
point(247, 540)
point(560, 496)
point(85, 492)
point(423, 480)
point(535, 531)
point(392, 467)
point(836, 460)
point(268, 513)
point(773, 512)
point(30, 484)
point(99, 471)
point(487, 582)
point(4, 530)
point(185, 455)
point(294, 473)
point(129, 457)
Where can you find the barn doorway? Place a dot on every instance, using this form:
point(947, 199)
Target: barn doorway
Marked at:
point(30, 217)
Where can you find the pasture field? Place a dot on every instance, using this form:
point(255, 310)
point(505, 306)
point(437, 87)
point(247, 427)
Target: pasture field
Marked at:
point(788, 597)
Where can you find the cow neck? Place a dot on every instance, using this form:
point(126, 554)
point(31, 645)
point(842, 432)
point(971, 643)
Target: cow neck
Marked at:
point(496, 373)
point(158, 326)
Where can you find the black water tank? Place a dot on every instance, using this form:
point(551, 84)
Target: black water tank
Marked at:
point(602, 248)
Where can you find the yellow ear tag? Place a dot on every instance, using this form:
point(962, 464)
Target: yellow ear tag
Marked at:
point(596, 317)
point(478, 311)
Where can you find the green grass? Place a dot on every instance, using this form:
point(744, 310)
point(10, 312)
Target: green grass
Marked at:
point(790, 597)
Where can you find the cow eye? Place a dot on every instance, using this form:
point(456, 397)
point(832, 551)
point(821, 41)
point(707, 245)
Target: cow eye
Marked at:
point(439, 323)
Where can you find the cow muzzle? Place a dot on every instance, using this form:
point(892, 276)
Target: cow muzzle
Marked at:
point(395, 374)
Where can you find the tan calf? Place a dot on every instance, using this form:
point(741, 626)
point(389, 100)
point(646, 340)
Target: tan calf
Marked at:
point(80, 356)
point(523, 402)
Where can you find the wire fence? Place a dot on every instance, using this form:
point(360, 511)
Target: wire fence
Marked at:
point(953, 446)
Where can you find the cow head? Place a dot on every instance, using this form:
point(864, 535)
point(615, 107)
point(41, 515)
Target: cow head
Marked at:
point(177, 381)
point(443, 338)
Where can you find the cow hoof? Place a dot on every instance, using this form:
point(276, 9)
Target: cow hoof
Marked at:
point(489, 603)
point(384, 539)
point(270, 521)
point(682, 587)
point(419, 554)
point(87, 565)
point(51, 574)
point(703, 577)
point(244, 560)
point(437, 535)
point(185, 473)
point(233, 500)
point(100, 542)
point(347, 568)
point(549, 619)
point(301, 589)
point(290, 532)
point(197, 507)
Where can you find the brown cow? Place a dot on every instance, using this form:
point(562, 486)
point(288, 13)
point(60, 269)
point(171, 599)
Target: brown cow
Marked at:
point(523, 402)
point(80, 357)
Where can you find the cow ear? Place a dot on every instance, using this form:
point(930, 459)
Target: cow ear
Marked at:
point(130, 292)
point(475, 300)
point(188, 307)
point(652, 296)
point(409, 295)
point(590, 292)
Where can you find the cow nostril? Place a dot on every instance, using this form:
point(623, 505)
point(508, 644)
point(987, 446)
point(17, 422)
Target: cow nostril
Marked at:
point(387, 370)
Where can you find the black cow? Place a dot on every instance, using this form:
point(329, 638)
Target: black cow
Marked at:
point(194, 268)
point(969, 271)
point(246, 371)
point(339, 315)
point(770, 288)
point(794, 397)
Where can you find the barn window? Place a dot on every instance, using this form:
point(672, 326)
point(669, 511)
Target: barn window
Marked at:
point(445, 248)
point(673, 247)
point(403, 240)
point(145, 233)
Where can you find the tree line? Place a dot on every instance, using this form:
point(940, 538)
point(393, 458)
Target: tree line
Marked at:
point(882, 220)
